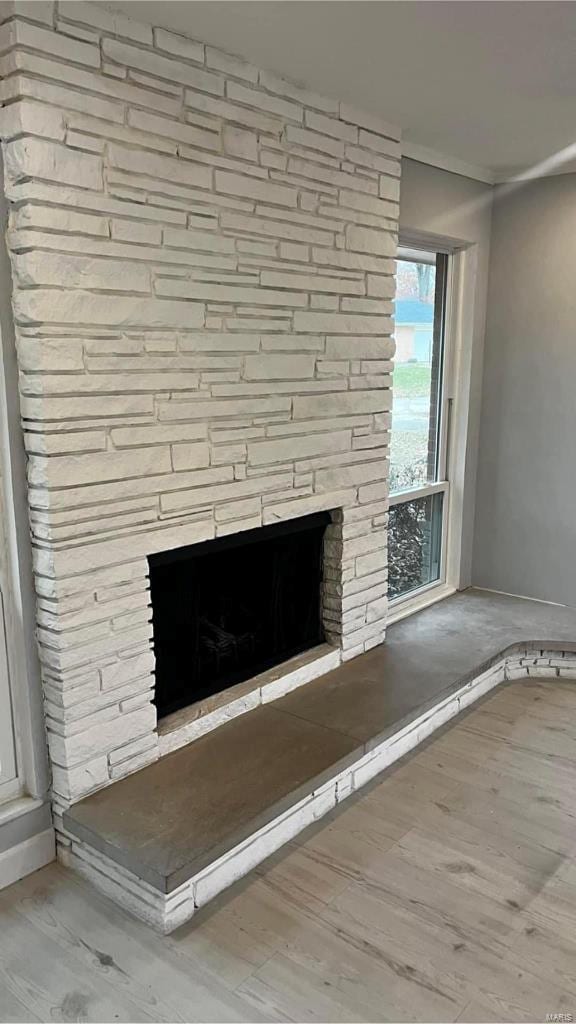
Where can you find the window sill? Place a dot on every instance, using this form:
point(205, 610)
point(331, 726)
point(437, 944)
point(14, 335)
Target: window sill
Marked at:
point(16, 807)
point(401, 608)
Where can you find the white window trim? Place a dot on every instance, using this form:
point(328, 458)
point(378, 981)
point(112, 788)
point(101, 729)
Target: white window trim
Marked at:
point(399, 497)
point(9, 782)
point(414, 602)
point(455, 399)
point(31, 781)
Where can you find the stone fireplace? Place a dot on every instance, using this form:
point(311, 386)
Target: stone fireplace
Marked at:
point(229, 609)
point(202, 261)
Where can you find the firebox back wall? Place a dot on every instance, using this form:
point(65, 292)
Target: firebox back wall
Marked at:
point(202, 260)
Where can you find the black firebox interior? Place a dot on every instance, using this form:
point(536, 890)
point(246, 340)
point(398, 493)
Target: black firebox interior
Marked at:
point(227, 609)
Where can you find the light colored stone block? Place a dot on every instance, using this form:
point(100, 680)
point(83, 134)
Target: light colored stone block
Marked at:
point(312, 140)
point(72, 470)
point(338, 323)
point(292, 251)
point(199, 497)
point(190, 456)
point(182, 172)
point(252, 188)
point(29, 118)
point(331, 177)
point(228, 293)
point(361, 239)
point(366, 158)
point(334, 127)
point(312, 282)
point(281, 87)
point(296, 447)
point(263, 101)
point(233, 112)
point(384, 287)
point(133, 231)
point(373, 492)
point(50, 354)
point(38, 158)
point(358, 347)
point(34, 10)
point(282, 510)
point(279, 367)
point(55, 219)
point(126, 670)
point(157, 433)
point(107, 21)
point(202, 410)
point(356, 261)
point(67, 98)
point(55, 410)
point(179, 46)
point(49, 42)
point(163, 67)
point(72, 784)
point(168, 128)
point(64, 444)
point(240, 143)
point(34, 269)
point(83, 307)
point(276, 229)
point(217, 342)
point(368, 204)
point(389, 188)
point(202, 241)
point(339, 403)
point(75, 750)
point(366, 564)
point(230, 65)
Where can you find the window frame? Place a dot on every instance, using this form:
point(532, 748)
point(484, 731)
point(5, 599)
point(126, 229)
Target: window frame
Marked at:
point(9, 782)
point(26, 760)
point(454, 408)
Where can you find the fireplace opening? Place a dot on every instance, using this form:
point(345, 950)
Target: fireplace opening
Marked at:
point(227, 609)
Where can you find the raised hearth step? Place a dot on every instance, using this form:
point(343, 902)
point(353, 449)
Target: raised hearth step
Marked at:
point(168, 838)
point(169, 820)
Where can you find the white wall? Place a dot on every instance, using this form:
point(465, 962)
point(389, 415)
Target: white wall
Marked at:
point(525, 532)
point(437, 206)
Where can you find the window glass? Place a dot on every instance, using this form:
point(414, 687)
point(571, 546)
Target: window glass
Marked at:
point(414, 544)
point(417, 373)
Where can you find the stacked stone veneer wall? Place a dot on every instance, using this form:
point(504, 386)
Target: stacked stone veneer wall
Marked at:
point(202, 284)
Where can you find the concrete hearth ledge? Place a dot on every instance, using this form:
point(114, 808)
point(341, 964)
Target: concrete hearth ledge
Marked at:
point(166, 839)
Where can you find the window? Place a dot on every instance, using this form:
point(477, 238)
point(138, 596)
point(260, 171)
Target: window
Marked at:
point(7, 754)
point(7, 747)
point(419, 489)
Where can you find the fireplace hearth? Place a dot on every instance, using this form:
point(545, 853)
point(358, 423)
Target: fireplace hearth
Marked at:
point(226, 610)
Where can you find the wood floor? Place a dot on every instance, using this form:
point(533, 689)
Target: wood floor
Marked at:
point(445, 892)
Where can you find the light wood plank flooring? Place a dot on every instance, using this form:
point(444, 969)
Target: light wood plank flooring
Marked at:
point(445, 892)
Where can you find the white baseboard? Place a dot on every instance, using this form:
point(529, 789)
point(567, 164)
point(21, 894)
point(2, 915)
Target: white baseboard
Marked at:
point(26, 857)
